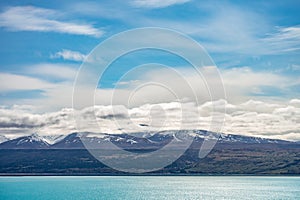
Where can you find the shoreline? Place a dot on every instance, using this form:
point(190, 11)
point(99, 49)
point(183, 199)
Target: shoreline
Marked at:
point(95, 175)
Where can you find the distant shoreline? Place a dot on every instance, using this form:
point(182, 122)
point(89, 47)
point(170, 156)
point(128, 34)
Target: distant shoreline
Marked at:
point(154, 174)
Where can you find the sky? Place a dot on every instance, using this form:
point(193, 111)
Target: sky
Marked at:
point(254, 45)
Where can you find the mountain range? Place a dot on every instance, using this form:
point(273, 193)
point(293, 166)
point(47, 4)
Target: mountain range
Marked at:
point(67, 155)
point(136, 140)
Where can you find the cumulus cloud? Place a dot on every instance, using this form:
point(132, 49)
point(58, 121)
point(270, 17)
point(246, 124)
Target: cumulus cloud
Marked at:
point(252, 118)
point(295, 102)
point(29, 18)
point(69, 55)
point(16, 122)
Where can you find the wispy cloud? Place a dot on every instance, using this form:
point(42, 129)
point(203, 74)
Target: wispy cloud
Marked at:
point(287, 33)
point(157, 3)
point(53, 81)
point(231, 29)
point(285, 39)
point(13, 82)
point(69, 55)
point(28, 18)
point(62, 72)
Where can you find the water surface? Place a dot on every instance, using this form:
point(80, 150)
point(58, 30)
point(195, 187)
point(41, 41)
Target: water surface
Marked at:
point(149, 187)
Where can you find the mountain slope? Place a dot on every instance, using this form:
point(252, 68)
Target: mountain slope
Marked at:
point(33, 141)
point(3, 139)
point(72, 141)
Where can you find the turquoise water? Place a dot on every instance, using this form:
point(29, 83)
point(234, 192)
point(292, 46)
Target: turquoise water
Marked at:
point(149, 187)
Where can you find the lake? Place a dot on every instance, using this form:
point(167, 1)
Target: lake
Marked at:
point(149, 187)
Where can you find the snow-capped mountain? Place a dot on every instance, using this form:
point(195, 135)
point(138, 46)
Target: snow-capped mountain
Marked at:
point(33, 141)
point(72, 141)
point(52, 139)
point(3, 139)
point(225, 138)
point(145, 140)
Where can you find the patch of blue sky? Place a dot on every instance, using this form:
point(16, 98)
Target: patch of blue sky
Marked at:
point(134, 59)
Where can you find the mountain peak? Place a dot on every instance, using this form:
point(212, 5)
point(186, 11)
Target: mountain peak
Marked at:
point(3, 139)
point(33, 141)
point(36, 137)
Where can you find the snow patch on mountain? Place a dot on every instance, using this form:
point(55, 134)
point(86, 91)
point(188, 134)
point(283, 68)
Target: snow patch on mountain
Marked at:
point(52, 139)
point(3, 139)
point(32, 138)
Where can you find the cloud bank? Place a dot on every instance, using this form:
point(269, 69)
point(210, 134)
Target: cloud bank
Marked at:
point(252, 118)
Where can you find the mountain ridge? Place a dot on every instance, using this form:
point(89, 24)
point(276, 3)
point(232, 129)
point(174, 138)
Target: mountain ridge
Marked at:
point(148, 140)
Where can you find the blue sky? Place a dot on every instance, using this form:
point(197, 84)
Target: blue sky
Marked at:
point(39, 39)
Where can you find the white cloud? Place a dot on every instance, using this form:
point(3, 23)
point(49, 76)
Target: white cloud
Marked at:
point(16, 122)
point(153, 86)
point(285, 39)
point(28, 18)
point(13, 82)
point(292, 32)
point(69, 55)
point(157, 3)
point(295, 102)
point(60, 71)
point(255, 118)
point(280, 121)
point(244, 82)
point(54, 81)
